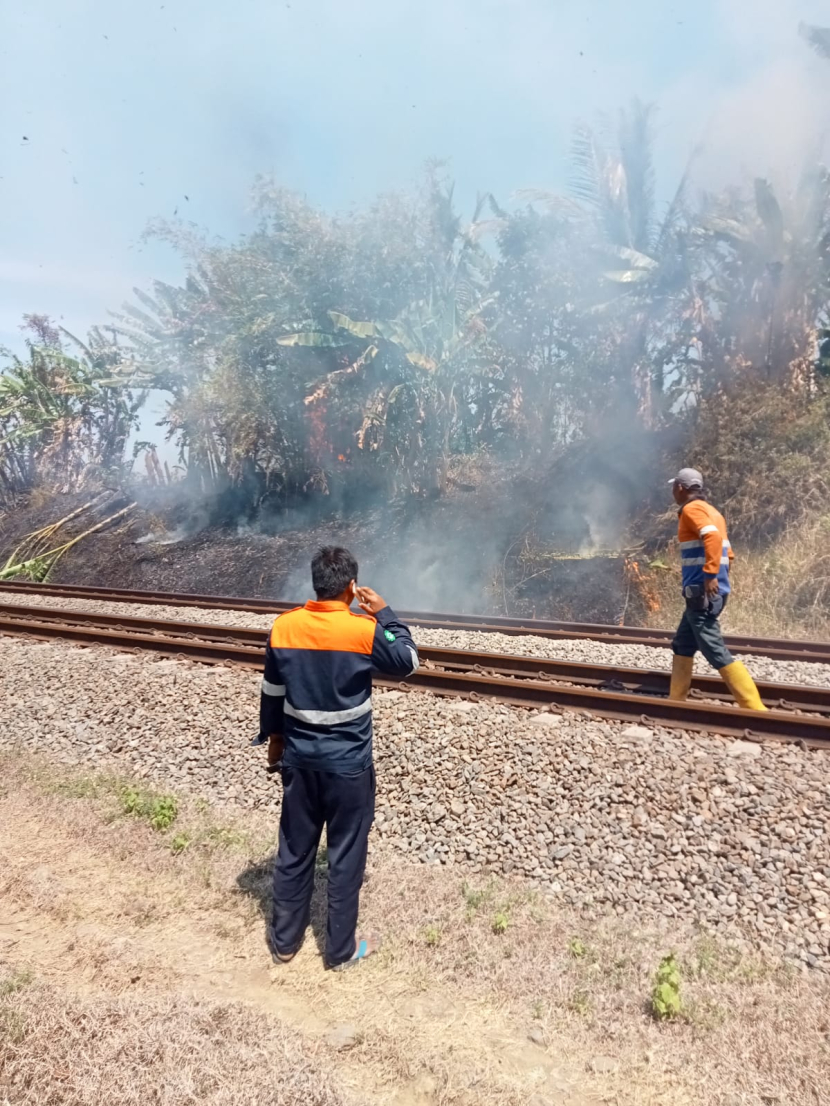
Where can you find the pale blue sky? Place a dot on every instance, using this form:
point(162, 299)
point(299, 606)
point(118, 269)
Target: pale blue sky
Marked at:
point(128, 107)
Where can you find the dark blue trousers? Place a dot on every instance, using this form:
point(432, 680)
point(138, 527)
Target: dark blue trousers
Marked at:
point(702, 630)
point(345, 805)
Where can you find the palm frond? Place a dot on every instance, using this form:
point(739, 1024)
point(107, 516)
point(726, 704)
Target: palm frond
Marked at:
point(498, 211)
point(636, 140)
point(552, 201)
point(587, 165)
point(818, 38)
point(477, 231)
point(677, 205)
point(769, 212)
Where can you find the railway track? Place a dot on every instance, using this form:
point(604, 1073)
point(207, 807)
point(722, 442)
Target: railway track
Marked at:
point(775, 648)
point(816, 652)
point(607, 692)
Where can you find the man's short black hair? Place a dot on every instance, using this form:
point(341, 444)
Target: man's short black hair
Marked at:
point(332, 570)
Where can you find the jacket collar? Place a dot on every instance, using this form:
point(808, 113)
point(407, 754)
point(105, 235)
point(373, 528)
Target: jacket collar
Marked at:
point(325, 605)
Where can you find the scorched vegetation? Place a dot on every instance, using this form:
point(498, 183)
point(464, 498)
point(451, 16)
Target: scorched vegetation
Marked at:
point(368, 356)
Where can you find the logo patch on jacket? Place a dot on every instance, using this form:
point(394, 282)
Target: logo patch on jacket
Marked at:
point(388, 635)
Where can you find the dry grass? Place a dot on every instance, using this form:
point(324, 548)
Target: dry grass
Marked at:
point(444, 1013)
point(783, 591)
point(587, 981)
point(63, 1050)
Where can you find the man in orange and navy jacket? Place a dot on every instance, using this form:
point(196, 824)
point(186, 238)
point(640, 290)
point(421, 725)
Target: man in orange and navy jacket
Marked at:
point(706, 557)
point(316, 712)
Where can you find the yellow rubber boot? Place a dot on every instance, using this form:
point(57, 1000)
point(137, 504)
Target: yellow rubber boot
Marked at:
point(742, 686)
point(681, 677)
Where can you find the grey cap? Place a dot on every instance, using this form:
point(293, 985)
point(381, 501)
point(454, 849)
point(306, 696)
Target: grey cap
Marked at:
point(688, 478)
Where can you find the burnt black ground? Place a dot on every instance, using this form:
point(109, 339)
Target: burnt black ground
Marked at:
point(472, 551)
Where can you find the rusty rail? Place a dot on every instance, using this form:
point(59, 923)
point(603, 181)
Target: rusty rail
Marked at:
point(518, 681)
point(816, 652)
point(637, 681)
point(170, 627)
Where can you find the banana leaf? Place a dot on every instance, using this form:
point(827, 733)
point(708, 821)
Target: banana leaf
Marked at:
point(358, 329)
point(316, 339)
point(421, 362)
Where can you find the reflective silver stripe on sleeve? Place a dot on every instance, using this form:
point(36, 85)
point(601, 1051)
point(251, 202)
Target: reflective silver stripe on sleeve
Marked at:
point(694, 544)
point(416, 664)
point(329, 717)
point(724, 560)
point(708, 530)
point(272, 689)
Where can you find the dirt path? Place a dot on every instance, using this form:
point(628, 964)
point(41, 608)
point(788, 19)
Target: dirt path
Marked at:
point(94, 916)
point(133, 972)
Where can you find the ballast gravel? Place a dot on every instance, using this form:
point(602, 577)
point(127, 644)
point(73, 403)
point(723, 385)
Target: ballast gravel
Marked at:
point(579, 650)
point(587, 651)
point(243, 619)
point(613, 818)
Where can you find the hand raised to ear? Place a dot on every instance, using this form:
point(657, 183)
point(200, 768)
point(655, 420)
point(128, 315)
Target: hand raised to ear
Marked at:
point(369, 601)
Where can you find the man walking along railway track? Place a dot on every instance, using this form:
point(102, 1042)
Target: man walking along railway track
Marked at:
point(316, 711)
point(706, 558)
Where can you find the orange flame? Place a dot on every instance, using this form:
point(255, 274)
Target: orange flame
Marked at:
point(642, 585)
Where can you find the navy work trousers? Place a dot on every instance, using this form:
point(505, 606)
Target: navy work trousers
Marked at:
point(702, 630)
point(345, 805)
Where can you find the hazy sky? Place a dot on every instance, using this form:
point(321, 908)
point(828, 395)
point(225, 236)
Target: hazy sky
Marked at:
point(127, 108)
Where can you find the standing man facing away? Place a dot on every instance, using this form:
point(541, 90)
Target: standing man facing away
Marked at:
point(706, 557)
point(316, 710)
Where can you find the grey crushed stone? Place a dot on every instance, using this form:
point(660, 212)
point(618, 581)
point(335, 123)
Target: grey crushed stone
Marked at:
point(673, 826)
point(578, 650)
point(587, 651)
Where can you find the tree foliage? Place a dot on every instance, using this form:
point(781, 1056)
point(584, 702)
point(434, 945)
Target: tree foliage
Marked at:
point(366, 349)
point(818, 37)
point(64, 416)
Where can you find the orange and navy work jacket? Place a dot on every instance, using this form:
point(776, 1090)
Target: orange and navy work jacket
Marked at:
point(705, 550)
point(317, 684)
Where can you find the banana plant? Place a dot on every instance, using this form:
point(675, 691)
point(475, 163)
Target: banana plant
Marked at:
point(643, 262)
point(769, 281)
point(63, 417)
point(427, 353)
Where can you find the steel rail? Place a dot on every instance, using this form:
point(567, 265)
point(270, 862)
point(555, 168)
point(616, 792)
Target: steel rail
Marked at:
point(816, 652)
point(237, 635)
point(639, 681)
point(540, 693)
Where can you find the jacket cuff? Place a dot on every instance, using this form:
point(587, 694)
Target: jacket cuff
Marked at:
point(711, 575)
point(385, 615)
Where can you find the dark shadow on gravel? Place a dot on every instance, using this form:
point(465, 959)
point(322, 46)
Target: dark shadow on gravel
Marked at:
point(256, 882)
